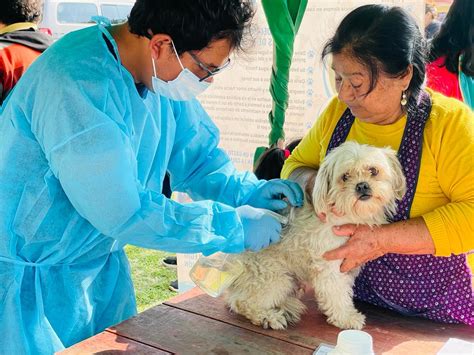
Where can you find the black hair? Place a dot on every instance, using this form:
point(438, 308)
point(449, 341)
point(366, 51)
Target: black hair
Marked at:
point(456, 37)
point(13, 11)
point(270, 163)
point(193, 24)
point(384, 39)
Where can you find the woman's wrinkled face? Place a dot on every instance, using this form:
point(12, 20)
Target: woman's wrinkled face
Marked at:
point(380, 106)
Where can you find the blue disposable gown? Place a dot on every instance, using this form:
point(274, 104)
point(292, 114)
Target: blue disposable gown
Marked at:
point(82, 160)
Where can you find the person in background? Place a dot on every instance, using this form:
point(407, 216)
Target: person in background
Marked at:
point(421, 263)
point(20, 40)
point(451, 67)
point(87, 138)
point(432, 25)
point(270, 163)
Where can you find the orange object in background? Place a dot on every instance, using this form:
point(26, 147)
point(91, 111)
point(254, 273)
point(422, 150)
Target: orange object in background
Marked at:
point(442, 6)
point(20, 45)
point(442, 80)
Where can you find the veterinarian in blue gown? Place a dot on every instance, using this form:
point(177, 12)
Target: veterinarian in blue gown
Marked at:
point(84, 146)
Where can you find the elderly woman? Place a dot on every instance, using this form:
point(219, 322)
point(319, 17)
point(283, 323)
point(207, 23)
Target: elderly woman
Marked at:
point(418, 264)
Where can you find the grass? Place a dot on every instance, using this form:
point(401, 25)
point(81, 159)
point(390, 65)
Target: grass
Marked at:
point(150, 277)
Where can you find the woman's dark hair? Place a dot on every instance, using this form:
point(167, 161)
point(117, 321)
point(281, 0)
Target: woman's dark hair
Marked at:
point(193, 24)
point(456, 37)
point(384, 39)
point(13, 11)
point(270, 163)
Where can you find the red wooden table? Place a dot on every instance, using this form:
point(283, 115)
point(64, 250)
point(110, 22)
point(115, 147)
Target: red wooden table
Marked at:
point(194, 323)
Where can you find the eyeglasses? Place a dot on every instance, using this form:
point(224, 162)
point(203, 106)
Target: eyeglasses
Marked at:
point(210, 72)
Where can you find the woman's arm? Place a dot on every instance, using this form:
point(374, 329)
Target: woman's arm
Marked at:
point(305, 178)
point(309, 152)
point(409, 237)
point(444, 231)
point(450, 141)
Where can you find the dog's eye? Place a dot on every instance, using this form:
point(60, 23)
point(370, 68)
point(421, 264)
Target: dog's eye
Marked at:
point(373, 171)
point(345, 177)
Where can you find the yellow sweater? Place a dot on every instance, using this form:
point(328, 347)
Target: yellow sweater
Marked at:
point(444, 195)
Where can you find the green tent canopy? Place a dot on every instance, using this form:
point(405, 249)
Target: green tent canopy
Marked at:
point(284, 19)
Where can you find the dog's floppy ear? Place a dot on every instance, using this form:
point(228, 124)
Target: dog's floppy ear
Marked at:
point(322, 186)
point(308, 189)
point(398, 177)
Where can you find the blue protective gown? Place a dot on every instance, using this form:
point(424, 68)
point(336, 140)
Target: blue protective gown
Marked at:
point(82, 160)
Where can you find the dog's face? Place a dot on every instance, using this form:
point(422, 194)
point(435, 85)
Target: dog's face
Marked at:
point(360, 182)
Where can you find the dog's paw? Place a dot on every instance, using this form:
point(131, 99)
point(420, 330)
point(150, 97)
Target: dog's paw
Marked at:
point(272, 319)
point(354, 320)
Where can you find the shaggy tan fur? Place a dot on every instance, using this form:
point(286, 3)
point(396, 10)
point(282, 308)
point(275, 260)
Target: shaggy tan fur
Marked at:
point(267, 291)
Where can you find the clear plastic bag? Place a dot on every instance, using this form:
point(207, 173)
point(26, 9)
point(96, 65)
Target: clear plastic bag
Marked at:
point(215, 273)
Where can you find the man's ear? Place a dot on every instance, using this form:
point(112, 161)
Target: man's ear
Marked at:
point(160, 44)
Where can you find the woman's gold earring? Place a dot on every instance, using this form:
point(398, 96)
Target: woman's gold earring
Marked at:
point(404, 99)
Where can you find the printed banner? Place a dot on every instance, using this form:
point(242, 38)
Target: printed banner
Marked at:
point(239, 99)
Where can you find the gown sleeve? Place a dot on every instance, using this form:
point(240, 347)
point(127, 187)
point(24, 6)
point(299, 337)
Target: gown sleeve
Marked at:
point(91, 154)
point(202, 169)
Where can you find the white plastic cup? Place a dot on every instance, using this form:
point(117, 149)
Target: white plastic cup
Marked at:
point(353, 342)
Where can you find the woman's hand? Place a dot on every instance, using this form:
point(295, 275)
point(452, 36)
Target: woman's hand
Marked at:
point(364, 244)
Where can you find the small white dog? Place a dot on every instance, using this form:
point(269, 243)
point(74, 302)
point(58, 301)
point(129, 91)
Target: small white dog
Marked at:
point(362, 183)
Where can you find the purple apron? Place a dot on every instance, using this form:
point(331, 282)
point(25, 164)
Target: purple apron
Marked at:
point(438, 288)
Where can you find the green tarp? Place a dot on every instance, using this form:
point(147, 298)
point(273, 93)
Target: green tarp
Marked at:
point(284, 19)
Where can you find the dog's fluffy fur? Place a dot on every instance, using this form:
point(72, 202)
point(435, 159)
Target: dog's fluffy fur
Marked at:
point(362, 183)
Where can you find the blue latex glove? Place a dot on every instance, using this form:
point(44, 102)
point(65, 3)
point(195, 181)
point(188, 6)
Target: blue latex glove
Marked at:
point(270, 194)
point(260, 229)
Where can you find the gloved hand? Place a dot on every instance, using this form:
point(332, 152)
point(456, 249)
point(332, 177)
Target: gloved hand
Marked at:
point(270, 194)
point(260, 229)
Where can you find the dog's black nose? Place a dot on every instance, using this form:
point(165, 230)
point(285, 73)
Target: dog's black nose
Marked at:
point(363, 188)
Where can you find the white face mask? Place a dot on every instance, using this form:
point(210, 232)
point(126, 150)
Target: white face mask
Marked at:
point(185, 87)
